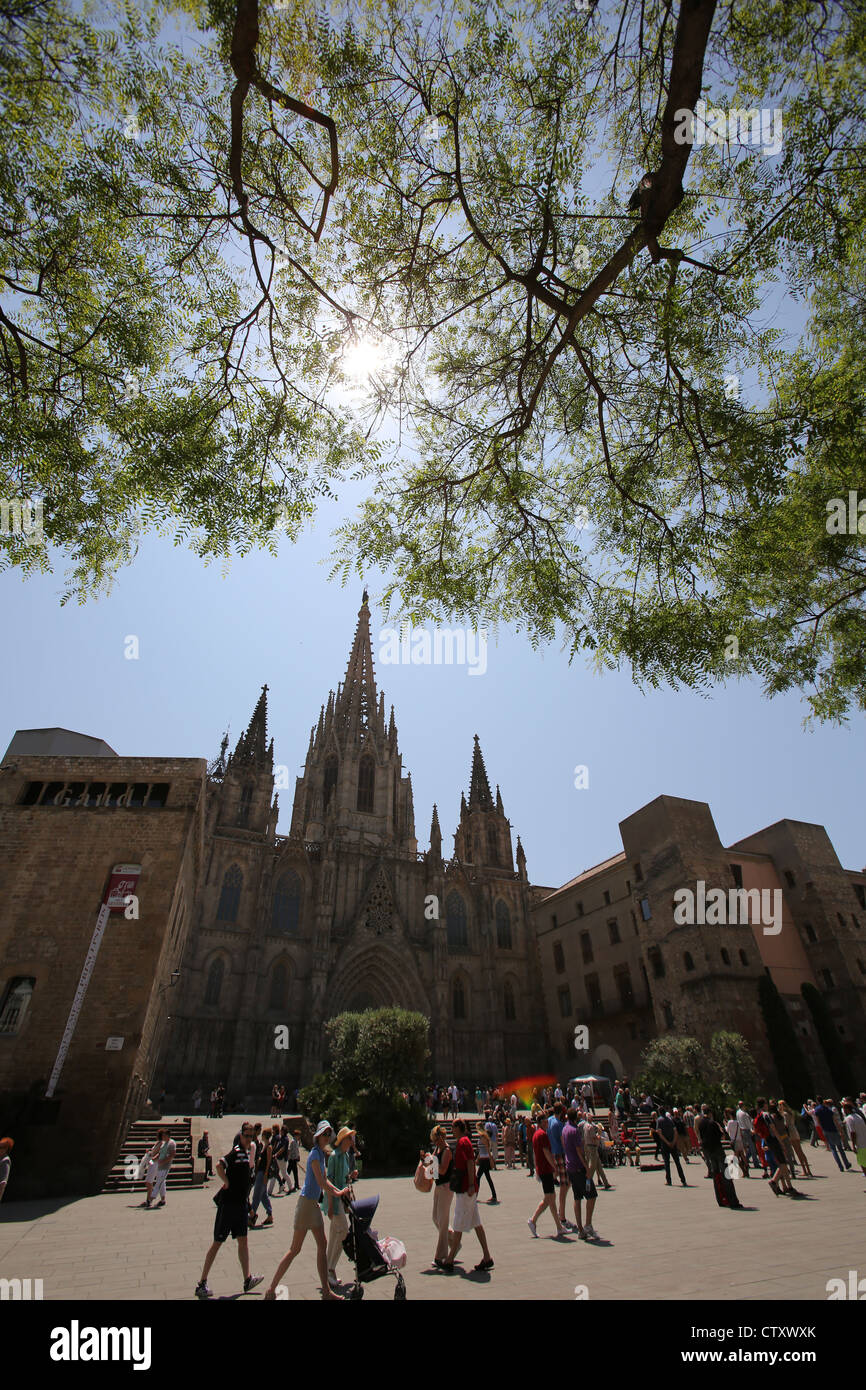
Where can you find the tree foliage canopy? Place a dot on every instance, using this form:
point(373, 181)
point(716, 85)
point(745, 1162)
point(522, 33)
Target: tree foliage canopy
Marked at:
point(380, 1050)
point(592, 417)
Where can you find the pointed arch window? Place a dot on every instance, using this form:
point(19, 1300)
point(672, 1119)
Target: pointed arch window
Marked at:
point(687, 960)
point(244, 804)
point(366, 783)
point(16, 1003)
point(455, 914)
point(230, 896)
point(492, 844)
point(279, 992)
point(458, 999)
point(214, 981)
point(286, 911)
point(510, 1007)
point(503, 926)
point(330, 788)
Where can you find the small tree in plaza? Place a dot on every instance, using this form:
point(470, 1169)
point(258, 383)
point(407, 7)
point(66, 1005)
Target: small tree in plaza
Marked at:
point(732, 1065)
point(375, 1057)
point(380, 1051)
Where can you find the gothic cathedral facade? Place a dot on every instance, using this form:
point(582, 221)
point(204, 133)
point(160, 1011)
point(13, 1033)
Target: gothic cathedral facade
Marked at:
point(345, 913)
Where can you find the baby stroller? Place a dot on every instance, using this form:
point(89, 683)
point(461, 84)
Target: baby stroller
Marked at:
point(373, 1259)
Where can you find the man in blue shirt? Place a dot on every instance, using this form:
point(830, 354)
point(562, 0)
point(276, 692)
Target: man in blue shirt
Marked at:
point(824, 1115)
point(554, 1138)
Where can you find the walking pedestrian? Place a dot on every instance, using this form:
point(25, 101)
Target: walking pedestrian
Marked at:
point(294, 1159)
point(738, 1147)
point(824, 1117)
point(509, 1139)
point(161, 1158)
point(485, 1161)
point(856, 1127)
point(555, 1123)
point(260, 1192)
point(713, 1149)
point(340, 1173)
point(790, 1120)
point(666, 1138)
point(236, 1175)
point(577, 1166)
point(442, 1193)
point(466, 1214)
point(591, 1136)
point(546, 1171)
point(308, 1215)
point(279, 1160)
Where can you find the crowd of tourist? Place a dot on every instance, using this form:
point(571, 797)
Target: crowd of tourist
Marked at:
point(565, 1137)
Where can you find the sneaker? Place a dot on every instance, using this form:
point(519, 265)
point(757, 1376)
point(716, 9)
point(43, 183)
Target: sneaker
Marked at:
point(202, 1290)
point(584, 1234)
point(162, 1203)
point(144, 1206)
point(532, 1229)
point(592, 1233)
point(250, 1283)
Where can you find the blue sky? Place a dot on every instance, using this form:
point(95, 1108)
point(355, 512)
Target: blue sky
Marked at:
point(209, 640)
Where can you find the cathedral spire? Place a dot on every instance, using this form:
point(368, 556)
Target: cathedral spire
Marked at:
point(251, 743)
point(479, 787)
point(435, 836)
point(356, 701)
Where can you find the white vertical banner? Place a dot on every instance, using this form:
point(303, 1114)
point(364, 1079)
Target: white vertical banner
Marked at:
point(123, 880)
point(87, 971)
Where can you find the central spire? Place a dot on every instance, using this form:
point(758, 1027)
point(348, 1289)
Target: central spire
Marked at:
point(356, 700)
point(479, 787)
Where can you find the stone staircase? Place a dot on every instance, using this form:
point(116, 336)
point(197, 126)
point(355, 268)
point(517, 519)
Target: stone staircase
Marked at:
point(186, 1171)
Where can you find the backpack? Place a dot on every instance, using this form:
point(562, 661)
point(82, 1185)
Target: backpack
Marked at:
point(761, 1125)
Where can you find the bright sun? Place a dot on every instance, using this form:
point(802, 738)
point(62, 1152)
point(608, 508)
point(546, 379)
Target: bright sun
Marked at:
point(363, 358)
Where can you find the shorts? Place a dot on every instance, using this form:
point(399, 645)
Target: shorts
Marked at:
point(548, 1183)
point(582, 1187)
point(308, 1215)
point(559, 1170)
point(466, 1214)
point(230, 1220)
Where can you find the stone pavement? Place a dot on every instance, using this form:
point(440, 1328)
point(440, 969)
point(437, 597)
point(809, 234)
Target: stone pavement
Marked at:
point(656, 1242)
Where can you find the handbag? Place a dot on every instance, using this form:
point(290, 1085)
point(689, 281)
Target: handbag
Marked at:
point(423, 1182)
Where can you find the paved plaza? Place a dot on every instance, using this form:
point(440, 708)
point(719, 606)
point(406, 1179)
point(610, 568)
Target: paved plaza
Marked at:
point(657, 1242)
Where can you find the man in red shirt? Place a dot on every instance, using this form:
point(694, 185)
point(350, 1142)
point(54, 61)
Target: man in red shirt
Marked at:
point(544, 1168)
point(466, 1215)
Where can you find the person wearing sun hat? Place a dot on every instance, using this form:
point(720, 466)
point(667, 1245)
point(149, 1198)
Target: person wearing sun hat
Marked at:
point(340, 1173)
point(308, 1214)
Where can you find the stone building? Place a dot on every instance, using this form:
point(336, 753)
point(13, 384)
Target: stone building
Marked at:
point(65, 821)
point(290, 930)
point(615, 957)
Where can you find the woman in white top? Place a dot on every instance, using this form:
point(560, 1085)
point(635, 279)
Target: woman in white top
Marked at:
point(738, 1143)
